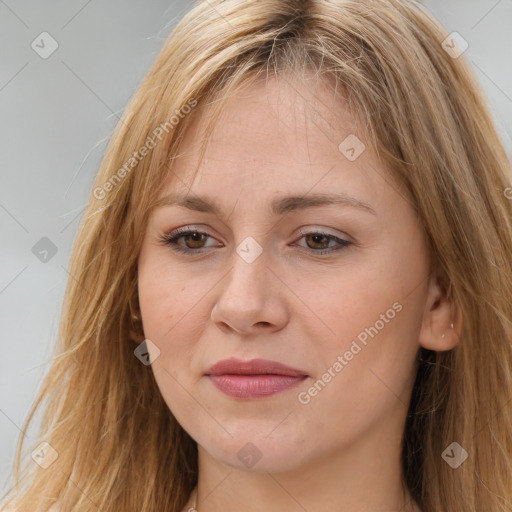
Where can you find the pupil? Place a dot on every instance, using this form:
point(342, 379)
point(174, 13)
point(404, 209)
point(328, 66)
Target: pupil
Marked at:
point(317, 239)
point(196, 237)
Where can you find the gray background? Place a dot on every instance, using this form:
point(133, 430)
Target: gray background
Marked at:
point(56, 117)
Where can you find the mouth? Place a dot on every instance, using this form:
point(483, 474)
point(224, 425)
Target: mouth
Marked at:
point(257, 378)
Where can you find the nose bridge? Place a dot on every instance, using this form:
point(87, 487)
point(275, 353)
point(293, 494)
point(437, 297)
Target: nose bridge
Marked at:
point(248, 298)
point(249, 267)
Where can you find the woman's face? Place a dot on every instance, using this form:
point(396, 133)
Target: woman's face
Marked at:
point(335, 289)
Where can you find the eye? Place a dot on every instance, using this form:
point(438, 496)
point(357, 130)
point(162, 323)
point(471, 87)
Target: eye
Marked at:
point(193, 239)
point(317, 242)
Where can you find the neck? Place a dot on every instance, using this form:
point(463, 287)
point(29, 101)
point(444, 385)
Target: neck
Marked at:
point(225, 489)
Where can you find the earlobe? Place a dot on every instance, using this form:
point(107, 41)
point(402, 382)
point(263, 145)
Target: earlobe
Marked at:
point(441, 325)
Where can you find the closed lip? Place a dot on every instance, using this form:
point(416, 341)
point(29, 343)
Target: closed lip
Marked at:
point(234, 366)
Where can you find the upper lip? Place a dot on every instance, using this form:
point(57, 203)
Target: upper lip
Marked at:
point(233, 366)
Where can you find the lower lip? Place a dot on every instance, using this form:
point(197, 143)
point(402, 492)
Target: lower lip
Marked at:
point(254, 386)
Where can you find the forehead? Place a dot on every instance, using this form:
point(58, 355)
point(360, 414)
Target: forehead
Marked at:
point(281, 113)
point(276, 136)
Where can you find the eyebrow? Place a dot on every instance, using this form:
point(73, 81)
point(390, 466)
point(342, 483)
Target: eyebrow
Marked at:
point(278, 206)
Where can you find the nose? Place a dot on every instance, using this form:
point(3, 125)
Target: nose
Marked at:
point(252, 299)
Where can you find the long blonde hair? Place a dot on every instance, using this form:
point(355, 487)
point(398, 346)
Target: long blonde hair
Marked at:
point(119, 447)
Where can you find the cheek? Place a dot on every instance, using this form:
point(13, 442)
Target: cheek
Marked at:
point(174, 310)
point(370, 316)
point(169, 320)
point(165, 296)
point(348, 299)
point(366, 371)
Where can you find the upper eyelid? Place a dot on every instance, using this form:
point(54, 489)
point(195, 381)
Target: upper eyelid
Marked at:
point(193, 228)
point(175, 234)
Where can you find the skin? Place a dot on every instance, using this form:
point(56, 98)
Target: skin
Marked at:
point(341, 450)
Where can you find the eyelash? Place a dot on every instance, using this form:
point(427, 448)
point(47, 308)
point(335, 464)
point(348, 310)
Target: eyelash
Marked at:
point(171, 239)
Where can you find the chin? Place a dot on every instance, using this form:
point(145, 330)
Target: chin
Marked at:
point(259, 453)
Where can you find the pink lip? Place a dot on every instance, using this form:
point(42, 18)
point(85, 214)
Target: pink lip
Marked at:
point(253, 379)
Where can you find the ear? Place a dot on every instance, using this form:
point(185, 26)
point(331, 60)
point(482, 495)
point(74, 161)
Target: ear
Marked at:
point(441, 311)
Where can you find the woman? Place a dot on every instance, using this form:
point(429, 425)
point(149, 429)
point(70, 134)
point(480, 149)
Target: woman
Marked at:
point(292, 286)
